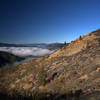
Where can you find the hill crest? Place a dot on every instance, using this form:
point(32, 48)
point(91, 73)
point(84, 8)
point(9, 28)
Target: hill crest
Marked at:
point(79, 44)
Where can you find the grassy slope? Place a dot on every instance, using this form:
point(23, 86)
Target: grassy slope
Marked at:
point(68, 72)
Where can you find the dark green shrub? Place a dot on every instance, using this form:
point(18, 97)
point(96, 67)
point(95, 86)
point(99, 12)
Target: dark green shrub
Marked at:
point(65, 43)
point(80, 38)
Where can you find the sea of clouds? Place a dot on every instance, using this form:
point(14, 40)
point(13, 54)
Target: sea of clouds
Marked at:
point(26, 51)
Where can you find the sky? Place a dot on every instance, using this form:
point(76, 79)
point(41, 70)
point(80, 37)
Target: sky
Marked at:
point(47, 21)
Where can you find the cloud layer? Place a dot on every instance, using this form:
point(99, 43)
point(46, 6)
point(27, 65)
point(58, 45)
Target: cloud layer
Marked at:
point(26, 51)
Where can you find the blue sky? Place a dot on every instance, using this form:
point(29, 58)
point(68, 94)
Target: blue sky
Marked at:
point(46, 21)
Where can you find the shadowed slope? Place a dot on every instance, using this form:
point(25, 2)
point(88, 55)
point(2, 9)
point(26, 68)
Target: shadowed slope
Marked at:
point(8, 58)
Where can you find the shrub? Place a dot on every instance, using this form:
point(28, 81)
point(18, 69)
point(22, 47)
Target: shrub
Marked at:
point(65, 43)
point(80, 38)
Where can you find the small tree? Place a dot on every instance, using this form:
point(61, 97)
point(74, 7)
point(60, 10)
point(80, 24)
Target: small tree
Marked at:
point(42, 76)
point(65, 43)
point(80, 37)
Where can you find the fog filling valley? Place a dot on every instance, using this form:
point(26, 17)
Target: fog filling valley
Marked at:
point(28, 52)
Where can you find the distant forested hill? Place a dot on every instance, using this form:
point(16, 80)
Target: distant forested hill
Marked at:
point(8, 58)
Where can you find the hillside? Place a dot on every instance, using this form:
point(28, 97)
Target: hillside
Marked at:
point(8, 58)
point(65, 74)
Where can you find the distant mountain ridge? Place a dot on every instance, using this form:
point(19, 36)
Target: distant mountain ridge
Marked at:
point(22, 45)
point(41, 45)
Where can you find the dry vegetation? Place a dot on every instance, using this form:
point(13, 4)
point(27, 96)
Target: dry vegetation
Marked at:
point(69, 71)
